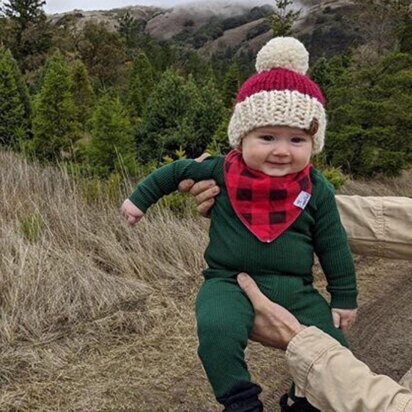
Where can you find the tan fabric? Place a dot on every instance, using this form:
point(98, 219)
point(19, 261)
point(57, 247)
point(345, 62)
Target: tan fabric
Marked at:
point(378, 226)
point(334, 380)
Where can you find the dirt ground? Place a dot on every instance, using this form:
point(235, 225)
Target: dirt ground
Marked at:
point(382, 335)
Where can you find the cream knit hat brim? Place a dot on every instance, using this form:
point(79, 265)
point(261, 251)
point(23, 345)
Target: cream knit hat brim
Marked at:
point(277, 108)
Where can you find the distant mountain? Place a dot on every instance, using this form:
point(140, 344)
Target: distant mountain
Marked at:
point(326, 27)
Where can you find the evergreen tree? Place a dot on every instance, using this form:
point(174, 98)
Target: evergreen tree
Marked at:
point(112, 146)
point(141, 85)
point(157, 135)
point(83, 95)
point(104, 54)
point(370, 122)
point(24, 11)
point(190, 125)
point(31, 32)
point(205, 114)
point(14, 102)
point(231, 84)
point(130, 29)
point(179, 115)
point(220, 140)
point(384, 24)
point(54, 126)
point(283, 18)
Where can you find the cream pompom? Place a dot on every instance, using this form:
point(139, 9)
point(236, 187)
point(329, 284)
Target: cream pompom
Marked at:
point(283, 52)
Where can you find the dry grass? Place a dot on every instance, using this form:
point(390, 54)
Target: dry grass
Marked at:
point(98, 316)
point(385, 186)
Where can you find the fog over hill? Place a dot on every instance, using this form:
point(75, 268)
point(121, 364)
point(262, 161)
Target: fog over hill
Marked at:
point(61, 6)
point(238, 24)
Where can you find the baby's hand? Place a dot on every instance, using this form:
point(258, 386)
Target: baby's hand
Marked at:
point(343, 318)
point(132, 213)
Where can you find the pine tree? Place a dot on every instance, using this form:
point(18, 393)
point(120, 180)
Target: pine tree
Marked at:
point(112, 146)
point(14, 102)
point(130, 29)
point(31, 31)
point(54, 115)
point(104, 54)
point(82, 92)
point(24, 11)
point(204, 115)
point(157, 135)
point(231, 84)
point(370, 122)
point(142, 81)
point(283, 18)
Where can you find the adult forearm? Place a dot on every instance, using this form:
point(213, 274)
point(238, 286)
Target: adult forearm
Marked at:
point(333, 379)
point(379, 226)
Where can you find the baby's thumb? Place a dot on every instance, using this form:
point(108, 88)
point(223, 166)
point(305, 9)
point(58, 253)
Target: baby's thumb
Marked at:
point(336, 319)
point(131, 219)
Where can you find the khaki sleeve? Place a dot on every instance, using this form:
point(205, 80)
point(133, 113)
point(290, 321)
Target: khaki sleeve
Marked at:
point(378, 226)
point(334, 380)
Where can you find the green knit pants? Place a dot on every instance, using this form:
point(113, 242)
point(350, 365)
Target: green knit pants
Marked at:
point(225, 319)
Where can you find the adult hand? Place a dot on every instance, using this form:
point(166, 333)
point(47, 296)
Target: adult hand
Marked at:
point(274, 325)
point(204, 191)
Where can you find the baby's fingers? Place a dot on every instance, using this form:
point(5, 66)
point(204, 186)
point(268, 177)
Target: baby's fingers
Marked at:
point(336, 319)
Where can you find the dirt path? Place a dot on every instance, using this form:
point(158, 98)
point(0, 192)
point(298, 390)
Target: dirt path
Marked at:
point(382, 336)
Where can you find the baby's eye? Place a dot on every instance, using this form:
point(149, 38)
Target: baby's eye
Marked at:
point(298, 139)
point(267, 138)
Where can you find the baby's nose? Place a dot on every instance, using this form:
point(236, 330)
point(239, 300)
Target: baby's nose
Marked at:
point(281, 149)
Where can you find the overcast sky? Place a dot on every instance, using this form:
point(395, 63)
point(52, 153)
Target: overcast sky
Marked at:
point(59, 6)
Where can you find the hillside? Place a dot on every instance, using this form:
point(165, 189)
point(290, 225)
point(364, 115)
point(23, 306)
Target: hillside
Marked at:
point(324, 25)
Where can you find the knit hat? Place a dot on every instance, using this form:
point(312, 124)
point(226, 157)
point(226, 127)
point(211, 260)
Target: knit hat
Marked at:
point(280, 94)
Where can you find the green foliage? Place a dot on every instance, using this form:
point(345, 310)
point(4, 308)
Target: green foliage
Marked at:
point(142, 81)
point(112, 147)
point(283, 17)
point(212, 30)
point(29, 32)
point(369, 110)
point(31, 226)
point(156, 136)
point(14, 102)
point(82, 92)
point(385, 24)
point(181, 204)
point(204, 115)
point(24, 11)
point(325, 72)
point(335, 176)
point(130, 29)
point(178, 113)
point(231, 84)
point(220, 140)
point(55, 128)
point(104, 54)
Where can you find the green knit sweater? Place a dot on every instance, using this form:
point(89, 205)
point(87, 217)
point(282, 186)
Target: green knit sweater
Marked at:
point(233, 248)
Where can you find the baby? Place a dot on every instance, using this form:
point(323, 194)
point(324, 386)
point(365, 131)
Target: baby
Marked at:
point(273, 213)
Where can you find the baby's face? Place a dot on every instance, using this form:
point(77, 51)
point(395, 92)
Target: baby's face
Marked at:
point(277, 150)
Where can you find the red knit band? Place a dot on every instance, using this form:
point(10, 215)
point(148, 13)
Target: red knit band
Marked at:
point(280, 79)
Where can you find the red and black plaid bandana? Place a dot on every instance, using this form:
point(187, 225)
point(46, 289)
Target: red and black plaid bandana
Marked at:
point(266, 205)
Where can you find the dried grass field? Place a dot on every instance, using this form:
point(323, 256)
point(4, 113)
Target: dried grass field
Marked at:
point(98, 316)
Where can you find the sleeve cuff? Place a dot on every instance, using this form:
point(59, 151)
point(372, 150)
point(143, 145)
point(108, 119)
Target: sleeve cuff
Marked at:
point(344, 300)
point(137, 201)
point(303, 350)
